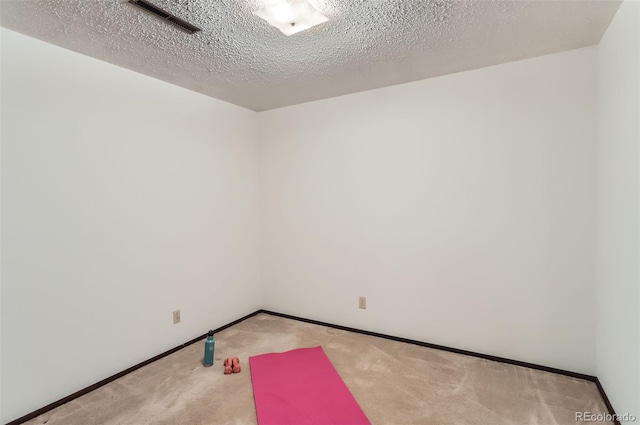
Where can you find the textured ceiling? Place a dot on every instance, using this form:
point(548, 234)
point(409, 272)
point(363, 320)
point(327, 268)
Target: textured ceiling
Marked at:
point(239, 58)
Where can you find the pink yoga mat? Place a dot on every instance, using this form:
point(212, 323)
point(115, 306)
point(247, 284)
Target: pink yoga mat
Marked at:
point(301, 387)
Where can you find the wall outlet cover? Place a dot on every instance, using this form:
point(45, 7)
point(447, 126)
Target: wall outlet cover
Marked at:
point(362, 303)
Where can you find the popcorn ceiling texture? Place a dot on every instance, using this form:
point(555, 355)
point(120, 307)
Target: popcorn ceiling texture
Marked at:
point(239, 58)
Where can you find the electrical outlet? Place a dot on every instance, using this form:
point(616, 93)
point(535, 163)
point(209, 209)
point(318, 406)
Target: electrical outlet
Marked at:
point(176, 317)
point(362, 303)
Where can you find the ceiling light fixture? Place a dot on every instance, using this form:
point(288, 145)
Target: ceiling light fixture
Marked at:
point(291, 16)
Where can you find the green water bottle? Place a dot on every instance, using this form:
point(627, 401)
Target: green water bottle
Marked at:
point(209, 347)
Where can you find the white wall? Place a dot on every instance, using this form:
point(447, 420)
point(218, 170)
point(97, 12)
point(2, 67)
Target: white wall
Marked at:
point(618, 276)
point(123, 198)
point(463, 207)
point(0, 234)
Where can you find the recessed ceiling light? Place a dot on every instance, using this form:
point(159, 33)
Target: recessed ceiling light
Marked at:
point(291, 16)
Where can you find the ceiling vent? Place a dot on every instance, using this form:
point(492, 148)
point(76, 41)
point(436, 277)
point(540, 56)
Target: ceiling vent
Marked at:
point(163, 14)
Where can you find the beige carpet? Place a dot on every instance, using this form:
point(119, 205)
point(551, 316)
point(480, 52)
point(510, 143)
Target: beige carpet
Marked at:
point(395, 383)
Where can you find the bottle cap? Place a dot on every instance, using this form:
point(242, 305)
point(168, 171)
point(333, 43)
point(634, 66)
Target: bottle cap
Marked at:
point(210, 333)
